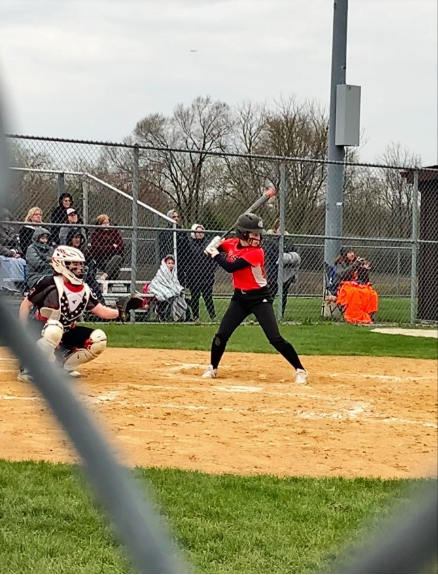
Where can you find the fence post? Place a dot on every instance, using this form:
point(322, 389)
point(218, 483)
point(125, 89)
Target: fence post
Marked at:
point(281, 242)
point(85, 190)
point(134, 237)
point(61, 184)
point(414, 252)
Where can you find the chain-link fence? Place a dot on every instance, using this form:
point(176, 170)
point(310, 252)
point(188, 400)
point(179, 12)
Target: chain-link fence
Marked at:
point(389, 219)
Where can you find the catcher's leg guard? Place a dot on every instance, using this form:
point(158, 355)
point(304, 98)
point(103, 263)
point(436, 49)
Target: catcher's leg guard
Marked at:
point(93, 347)
point(51, 336)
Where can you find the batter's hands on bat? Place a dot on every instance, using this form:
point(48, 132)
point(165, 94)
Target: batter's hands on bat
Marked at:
point(211, 251)
point(213, 244)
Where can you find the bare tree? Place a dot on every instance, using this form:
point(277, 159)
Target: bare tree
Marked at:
point(395, 191)
point(299, 130)
point(201, 127)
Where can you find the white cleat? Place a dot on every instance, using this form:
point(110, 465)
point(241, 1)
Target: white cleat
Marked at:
point(209, 373)
point(73, 373)
point(301, 377)
point(24, 376)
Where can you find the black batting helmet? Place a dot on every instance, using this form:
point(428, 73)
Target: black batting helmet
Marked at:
point(249, 223)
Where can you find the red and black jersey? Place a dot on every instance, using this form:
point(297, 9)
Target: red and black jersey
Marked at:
point(249, 278)
point(67, 301)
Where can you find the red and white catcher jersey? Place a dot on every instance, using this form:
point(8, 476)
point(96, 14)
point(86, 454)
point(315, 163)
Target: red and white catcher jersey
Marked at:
point(71, 304)
point(249, 278)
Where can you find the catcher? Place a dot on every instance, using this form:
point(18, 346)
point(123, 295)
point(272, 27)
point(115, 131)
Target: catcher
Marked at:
point(58, 301)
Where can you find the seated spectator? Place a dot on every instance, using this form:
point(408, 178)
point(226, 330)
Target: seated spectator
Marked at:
point(59, 215)
point(32, 222)
point(76, 239)
point(291, 262)
point(107, 248)
point(39, 257)
point(168, 292)
point(12, 265)
point(73, 219)
point(354, 290)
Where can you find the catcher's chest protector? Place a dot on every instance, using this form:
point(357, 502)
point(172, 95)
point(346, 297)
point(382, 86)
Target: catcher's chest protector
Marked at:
point(71, 304)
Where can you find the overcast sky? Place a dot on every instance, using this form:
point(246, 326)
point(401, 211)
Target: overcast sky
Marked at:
point(91, 70)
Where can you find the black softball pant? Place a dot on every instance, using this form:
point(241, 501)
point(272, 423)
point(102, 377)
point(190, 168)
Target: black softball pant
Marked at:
point(238, 310)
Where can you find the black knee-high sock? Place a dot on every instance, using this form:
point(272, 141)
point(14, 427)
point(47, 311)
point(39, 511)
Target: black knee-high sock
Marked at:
point(217, 351)
point(289, 353)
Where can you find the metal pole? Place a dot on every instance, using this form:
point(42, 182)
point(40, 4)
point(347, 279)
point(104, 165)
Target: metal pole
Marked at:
point(134, 219)
point(85, 191)
point(61, 184)
point(335, 172)
point(281, 242)
point(414, 252)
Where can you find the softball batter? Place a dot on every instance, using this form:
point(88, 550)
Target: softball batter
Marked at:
point(244, 259)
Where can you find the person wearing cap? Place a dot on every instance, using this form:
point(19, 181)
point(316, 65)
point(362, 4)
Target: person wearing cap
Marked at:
point(72, 220)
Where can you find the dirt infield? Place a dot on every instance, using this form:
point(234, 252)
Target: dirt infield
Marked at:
point(374, 417)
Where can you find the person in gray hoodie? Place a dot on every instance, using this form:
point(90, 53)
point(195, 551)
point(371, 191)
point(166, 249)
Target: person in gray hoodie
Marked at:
point(38, 257)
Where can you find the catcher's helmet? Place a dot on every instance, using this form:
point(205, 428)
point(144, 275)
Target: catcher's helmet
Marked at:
point(249, 223)
point(70, 263)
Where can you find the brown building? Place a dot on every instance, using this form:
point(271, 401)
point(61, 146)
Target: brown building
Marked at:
point(428, 252)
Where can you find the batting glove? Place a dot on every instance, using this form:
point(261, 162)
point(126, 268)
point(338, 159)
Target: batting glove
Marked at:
point(212, 252)
point(213, 244)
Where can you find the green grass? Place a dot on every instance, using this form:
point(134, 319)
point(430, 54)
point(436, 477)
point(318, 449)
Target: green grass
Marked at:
point(327, 339)
point(308, 309)
point(226, 524)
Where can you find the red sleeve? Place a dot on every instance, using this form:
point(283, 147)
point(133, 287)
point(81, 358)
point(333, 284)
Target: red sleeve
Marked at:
point(255, 257)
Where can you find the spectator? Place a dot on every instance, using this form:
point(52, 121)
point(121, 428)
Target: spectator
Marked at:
point(39, 257)
point(168, 291)
point(32, 222)
point(59, 215)
point(354, 290)
point(200, 273)
point(76, 239)
point(107, 248)
point(72, 220)
point(291, 262)
point(349, 267)
point(12, 265)
point(9, 240)
point(182, 246)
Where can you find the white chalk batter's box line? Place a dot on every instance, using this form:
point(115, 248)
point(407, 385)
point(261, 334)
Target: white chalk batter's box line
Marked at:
point(357, 410)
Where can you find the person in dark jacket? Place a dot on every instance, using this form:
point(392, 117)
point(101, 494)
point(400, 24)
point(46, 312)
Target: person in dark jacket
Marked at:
point(349, 267)
point(73, 219)
point(59, 215)
point(107, 248)
point(77, 239)
point(32, 221)
point(12, 264)
point(200, 273)
point(38, 257)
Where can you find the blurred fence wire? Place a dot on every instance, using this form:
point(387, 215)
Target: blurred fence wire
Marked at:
point(136, 524)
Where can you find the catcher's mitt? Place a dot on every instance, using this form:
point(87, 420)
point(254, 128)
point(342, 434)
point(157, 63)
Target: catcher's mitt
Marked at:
point(125, 304)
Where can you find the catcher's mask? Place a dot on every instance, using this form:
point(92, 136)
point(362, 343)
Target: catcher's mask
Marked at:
point(70, 263)
point(250, 224)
